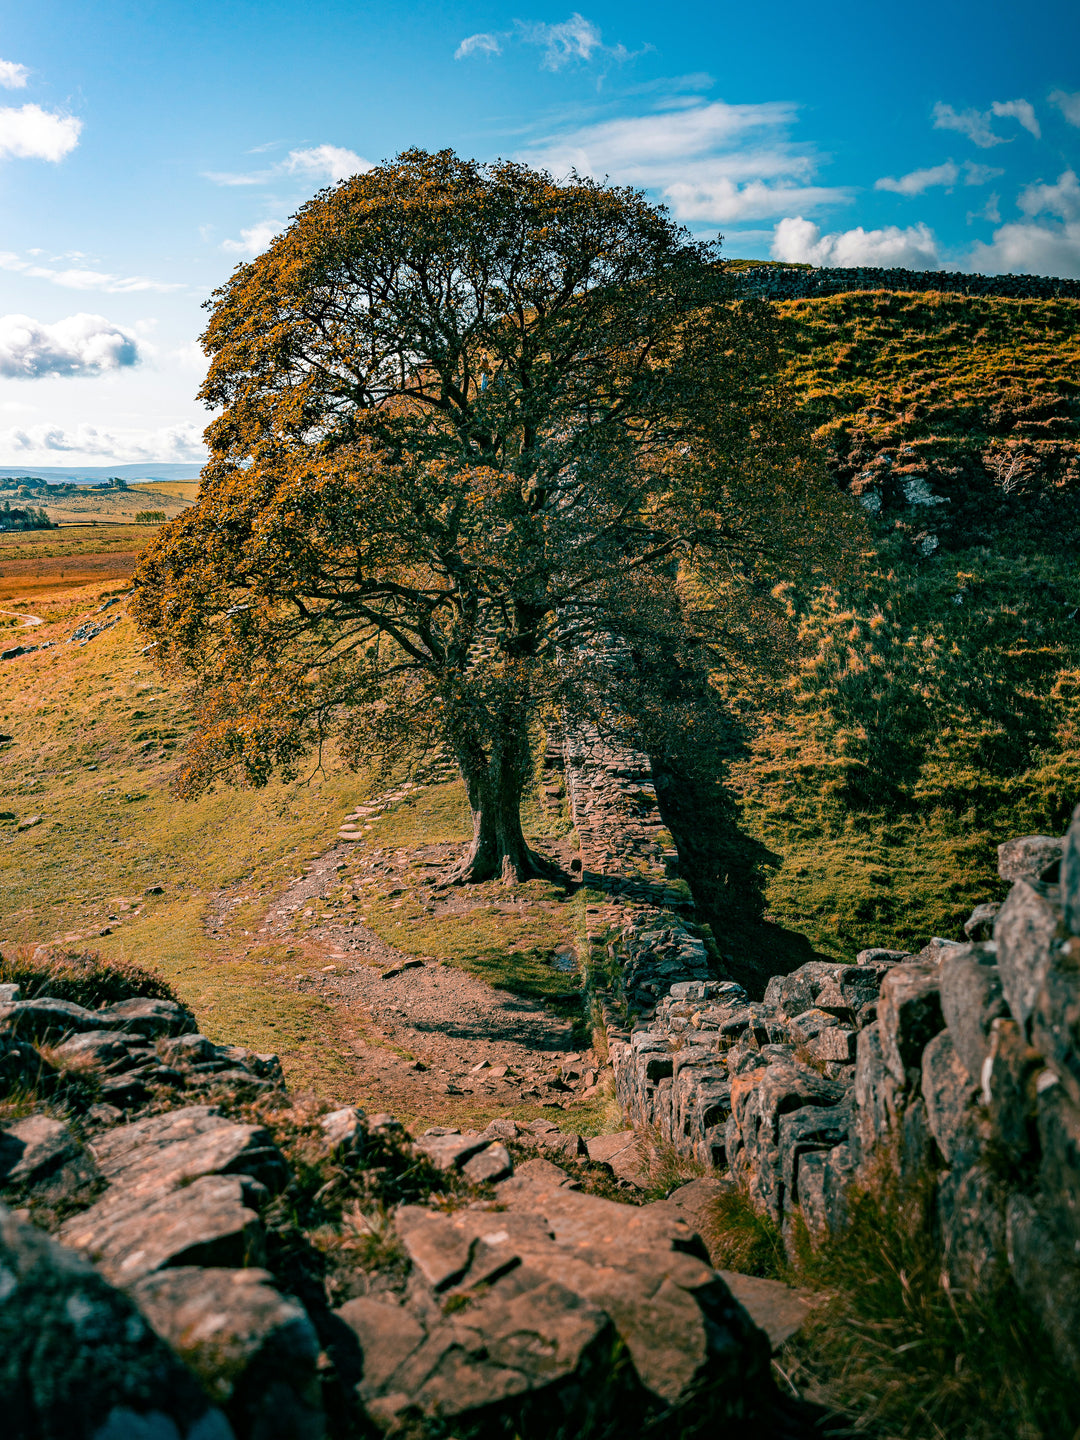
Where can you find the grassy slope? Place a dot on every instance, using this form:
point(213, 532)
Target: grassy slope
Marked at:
point(936, 713)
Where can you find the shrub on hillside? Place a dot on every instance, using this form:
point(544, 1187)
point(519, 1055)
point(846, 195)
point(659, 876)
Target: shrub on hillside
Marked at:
point(82, 977)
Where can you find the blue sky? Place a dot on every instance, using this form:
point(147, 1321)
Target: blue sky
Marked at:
point(146, 148)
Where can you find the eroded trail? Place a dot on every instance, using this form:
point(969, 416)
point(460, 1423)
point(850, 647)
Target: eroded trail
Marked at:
point(429, 1038)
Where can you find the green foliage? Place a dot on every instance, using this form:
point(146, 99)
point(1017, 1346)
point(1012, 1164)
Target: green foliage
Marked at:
point(934, 711)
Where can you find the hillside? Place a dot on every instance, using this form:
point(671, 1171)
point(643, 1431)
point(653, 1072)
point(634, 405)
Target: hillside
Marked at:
point(936, 706)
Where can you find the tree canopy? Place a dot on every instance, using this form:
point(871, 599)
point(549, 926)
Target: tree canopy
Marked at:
point(472, 422)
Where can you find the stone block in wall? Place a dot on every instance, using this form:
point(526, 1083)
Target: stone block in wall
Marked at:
point(951, 1105)
point(909, 1016)
point(1034, 858)
point(1055, 1021)
point(1058, 1120)
point(823, 1180)
point(1070, 875)
point(971, 999)
point(980, 923)
point(835, 1045)
point(1047, 1276)
point(759, 1098)
point(1026, 931)
point(1010, 1075)
point(875, 1091)
point(809, 1130)
point(970, 1206)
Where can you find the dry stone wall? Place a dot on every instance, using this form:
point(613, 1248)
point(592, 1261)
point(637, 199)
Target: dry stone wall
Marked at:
point(959, 1065)
point(774, 282)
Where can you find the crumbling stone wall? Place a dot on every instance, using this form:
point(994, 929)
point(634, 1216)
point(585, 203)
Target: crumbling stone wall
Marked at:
point(961, 1063)
point(779, 283)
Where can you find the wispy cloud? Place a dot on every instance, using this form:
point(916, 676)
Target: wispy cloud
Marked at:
point(916, 181)
point(483, 44)
point(710, 161)
point(318, 162)
point(79, 345)
point(1068, 104)
point(81, 279)
point(42, 443)
point(29, 133)
point(914, 247)
point(574, 39)
point(255, 239)
point(1020, 110)
point(13, 76)
point(975, 124)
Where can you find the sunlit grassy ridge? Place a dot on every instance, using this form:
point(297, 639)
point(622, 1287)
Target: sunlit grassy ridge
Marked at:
point(937, 708)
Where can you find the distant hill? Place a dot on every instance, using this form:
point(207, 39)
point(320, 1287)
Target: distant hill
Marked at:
point(92, 474)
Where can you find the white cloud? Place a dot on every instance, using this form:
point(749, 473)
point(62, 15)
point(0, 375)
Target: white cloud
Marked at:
point(40, 444)
point(1062, 199)
point(916, 181)
point(975, 124)
point(12, 76)
point(1027, 248)
point(913, 248)
point(1068, 104)
point(79, 345)
point(482, 44)
point(1021, 110)
point(711, 162)
point(1038, 247)
point(255, 239)
point(72, 279)
point(325, 162)
point(991, 211)
point(30, 133)
point(317, 162)
point(980, 174)
point(573, 39)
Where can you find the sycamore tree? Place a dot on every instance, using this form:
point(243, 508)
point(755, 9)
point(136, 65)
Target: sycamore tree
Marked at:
point(471, 423)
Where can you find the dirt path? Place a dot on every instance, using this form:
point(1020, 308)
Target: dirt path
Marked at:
point(28, 620)
point(429, 1039)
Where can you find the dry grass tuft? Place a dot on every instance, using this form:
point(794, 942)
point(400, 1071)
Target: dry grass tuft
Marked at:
point(83, 977)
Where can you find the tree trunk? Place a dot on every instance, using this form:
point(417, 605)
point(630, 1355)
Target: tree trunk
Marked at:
point(495, 781)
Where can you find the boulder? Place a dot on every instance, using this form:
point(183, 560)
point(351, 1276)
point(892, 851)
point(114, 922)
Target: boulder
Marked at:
point(46, 1018)
point(1026, 931)
point(212, 1221)
point(41, 1154)
point(78, 1361)
point(21, 1067)
point(174, 1148)
point(1033, 858)
point(344, 1131)
point(149, 1017)
point(254, 1350)
point(1046, 1274)
point(489, 1165)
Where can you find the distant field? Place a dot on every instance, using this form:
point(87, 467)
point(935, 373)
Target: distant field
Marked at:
point(186, 490)
point(35, 562)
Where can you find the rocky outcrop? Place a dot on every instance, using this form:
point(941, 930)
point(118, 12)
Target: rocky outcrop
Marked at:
point(202, 1279)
